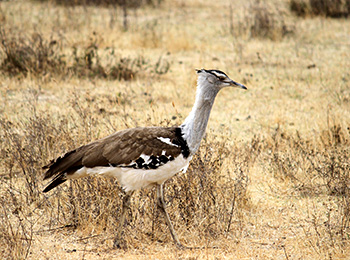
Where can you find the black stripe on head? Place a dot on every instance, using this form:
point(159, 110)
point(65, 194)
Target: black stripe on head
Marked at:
point(217, 73)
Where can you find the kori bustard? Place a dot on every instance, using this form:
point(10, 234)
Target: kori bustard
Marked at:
point(144, 156)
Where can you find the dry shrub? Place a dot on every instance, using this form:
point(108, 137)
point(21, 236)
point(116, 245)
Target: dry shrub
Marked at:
point(88, 63)
point(124, 4)
point(22, 146)
point(330, 8)
point(261, 20)
point(34, 55)
point(37, 56)
point(266, 23)
point(25, 146)
point(16, 232)
point(334, 166)
point(314, 166)
point(300, 7)
point(128, 3)
point(206, 198)
point(317, 167)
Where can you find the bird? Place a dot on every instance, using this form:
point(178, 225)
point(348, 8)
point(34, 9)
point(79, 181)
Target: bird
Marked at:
point(144, 157)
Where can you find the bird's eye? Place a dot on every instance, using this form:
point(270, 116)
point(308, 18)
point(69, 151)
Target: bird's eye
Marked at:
point(222, 78)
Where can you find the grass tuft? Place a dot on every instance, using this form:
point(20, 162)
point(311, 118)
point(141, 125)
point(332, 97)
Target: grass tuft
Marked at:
point(329, 8)
point(262, 21)
point(29, 55)
point(87, 63)
point(317, 168)
point(129, 4)
point(39, 57)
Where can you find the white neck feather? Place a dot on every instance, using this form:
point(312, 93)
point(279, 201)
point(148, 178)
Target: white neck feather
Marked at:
point(195, 124)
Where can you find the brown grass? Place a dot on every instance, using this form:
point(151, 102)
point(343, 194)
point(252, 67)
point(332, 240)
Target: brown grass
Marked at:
point(34, 55)
point(42, 58)
point(261, 20)
point(329, 8)
point(271, 179)
point(130, 4)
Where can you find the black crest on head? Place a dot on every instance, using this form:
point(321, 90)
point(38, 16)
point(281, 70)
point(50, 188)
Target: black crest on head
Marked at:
point(217, 73)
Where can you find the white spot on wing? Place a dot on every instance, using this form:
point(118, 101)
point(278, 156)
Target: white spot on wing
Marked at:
point(146, 158)
point(167, 141)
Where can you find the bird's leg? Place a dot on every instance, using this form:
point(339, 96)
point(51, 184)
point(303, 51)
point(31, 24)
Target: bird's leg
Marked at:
point(126, 206)
point(161, 207)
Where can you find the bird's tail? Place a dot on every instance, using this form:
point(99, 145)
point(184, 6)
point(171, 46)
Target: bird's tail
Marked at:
point(59, 179)
point(61, 167)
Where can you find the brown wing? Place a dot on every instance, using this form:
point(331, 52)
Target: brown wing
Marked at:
point(131, 144)
point(124, 149)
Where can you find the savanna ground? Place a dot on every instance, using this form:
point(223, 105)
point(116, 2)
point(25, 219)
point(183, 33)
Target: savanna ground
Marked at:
point(271, 179)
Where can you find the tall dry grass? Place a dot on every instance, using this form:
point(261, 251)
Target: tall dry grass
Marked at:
point(40, 57)
point(261, 20)
point(205, 194)
point(206, 204)
point(335, 9)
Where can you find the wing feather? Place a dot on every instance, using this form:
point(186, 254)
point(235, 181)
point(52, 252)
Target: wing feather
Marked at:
point(121, 148)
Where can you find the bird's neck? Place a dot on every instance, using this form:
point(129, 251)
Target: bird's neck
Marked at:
point(194, 126)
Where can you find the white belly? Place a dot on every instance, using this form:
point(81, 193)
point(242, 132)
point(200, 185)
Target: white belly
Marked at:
point(135, 179)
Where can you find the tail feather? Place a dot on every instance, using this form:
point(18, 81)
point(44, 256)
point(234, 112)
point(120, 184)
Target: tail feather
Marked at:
point(61, 167)
point(59, 179)
point(63, 163)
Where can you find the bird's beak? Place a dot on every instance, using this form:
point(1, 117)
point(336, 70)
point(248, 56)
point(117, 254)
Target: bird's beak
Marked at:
point(236, 84)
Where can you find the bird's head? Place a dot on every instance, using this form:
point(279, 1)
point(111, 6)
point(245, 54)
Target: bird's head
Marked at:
point(216, 79)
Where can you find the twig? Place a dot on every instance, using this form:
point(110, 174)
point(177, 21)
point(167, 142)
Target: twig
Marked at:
point(231, 214)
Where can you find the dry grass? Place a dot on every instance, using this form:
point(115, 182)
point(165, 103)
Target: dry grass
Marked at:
point(34, 55)
point(271, 179)
point(43, 58)
point(330, 8)
point(130, 4)
point(261, 20)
